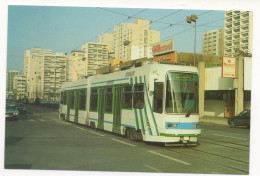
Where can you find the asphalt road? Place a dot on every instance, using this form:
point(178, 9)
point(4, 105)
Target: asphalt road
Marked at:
point(41, 141)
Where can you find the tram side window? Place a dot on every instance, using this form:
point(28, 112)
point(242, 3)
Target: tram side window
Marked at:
point(72, 100)
point(82, 99)
point(127, 97)
point(93, 100)
point(139, 96)
point(63, 98)
point(109, 100)
point(158, 97)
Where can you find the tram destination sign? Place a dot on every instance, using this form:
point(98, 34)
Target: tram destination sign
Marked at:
point(229, 67)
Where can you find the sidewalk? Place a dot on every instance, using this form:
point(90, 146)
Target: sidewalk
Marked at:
point(214, 120)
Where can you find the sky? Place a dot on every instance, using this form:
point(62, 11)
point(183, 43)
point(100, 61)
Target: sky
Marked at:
point(63, 29)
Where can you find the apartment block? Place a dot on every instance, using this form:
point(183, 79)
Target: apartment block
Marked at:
point(19, 87)
point(76, 65)
point(44, 72)
point(213, 42)
point(96, 57)
point(10, 75)
point(132, 41)
point(238, 32)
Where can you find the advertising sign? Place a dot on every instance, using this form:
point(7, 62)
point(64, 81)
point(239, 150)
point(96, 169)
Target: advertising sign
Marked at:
point(229, 67)
point(163, 47)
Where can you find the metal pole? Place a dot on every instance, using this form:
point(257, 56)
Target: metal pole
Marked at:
point(195, 44)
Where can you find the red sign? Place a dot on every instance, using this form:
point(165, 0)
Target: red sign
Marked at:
point(163, 47)
point(229, 67)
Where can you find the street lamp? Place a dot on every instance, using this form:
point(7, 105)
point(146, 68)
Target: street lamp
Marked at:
point(189, 20)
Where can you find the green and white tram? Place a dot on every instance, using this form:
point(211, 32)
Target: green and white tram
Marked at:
point(154, 103)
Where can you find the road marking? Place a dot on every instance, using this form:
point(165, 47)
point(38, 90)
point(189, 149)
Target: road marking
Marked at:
point(78, 127)
point(123, 142)
point(42, 120)
point(31, 120)
point(170, 158)
point(230, 137)
point(152, 168)
point(96, 133)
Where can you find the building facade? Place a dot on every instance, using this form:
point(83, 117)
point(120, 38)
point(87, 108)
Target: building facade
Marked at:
point(19, 87)
point(131, 41)
point(96, 57)
point(76, 65)
point(10, 94)
point(238, 32)
point(213, 42)
point(44, 72)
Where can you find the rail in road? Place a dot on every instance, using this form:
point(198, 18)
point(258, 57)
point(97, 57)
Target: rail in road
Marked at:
point(221, 150)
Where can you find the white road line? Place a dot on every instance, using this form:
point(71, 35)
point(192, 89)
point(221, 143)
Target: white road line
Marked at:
point(230, 137)
point(96, 133)
point(123, 142)
point(152, 168)
point(31, 120)
point(170, 158)
point(78, 127)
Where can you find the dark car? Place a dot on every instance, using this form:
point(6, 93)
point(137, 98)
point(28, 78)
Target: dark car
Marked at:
point(243, 119)
point(11, 112)
point(21, 108)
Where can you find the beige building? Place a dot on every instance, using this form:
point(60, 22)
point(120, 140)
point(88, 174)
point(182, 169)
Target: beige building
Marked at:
point(19, 86)
point(96, 57)
point(76, 66)
point(238, 32)
point(131, 41)
point(10, 75)
point(213, 42)
point(44, 72)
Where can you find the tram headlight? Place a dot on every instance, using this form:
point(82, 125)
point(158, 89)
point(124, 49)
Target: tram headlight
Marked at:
point(172, 125)
point(196, 125)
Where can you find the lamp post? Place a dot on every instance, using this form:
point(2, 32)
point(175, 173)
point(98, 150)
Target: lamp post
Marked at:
point(189, 20)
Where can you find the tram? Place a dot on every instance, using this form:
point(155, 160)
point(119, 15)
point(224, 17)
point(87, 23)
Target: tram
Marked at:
point(152, 102)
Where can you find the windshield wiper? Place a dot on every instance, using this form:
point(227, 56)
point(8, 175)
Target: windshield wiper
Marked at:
point(188, 113)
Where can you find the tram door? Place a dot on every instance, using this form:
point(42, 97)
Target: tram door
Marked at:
point(117, 109)
point(101, 108)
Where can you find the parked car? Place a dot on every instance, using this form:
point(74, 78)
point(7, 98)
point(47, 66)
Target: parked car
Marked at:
point(11, 112)
point(21, 108)
point(243, 119)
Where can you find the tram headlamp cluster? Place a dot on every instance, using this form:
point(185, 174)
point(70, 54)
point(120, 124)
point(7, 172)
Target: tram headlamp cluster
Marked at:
point(196, 125)
point(172, 125)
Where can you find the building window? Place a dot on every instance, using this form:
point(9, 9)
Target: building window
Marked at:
point(127, 97)
point(109, 100)
point(93, 99)
point(139, 96)
point(82, 99)
point(158, 97)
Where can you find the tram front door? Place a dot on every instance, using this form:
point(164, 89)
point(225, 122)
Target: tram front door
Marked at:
point(117, 109)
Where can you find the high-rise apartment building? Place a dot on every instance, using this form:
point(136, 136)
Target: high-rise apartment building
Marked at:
point(238, 32)
point(44, 72)
point(19, 86)
point(10, 94)
point(213, 42)
point(96, 57)
point(76, 65)
point(132, 40)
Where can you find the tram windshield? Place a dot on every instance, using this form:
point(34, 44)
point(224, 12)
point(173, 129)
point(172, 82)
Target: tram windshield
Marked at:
point(182, 93)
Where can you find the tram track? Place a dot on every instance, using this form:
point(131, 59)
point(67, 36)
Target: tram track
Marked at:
point(225, 162)
point(230, 145)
